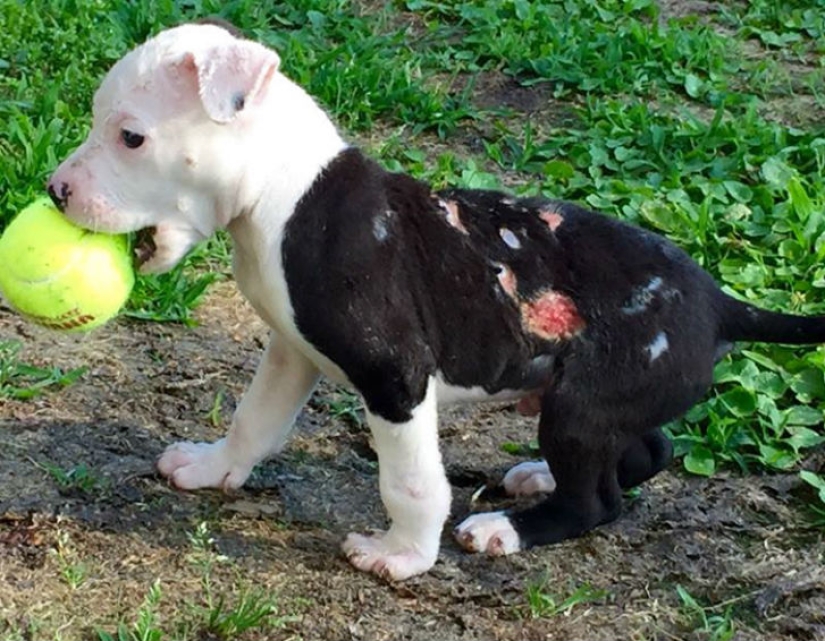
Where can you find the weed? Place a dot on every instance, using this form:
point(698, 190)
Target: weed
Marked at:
point(169, 297)
point(817, 482)
point(145, 627)
point(76, 479)
point(73, 571)
point(531, 448)
point(345, 406)
point(251, 610)
point(22, 381)
point(217, 406)
point(702, 620)
point(542, 604)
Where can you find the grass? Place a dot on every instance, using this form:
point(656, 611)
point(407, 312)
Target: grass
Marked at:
point(78, 479)
point(703, 621)
point(542, 604)
point(23, 381)
point(343, 405)
point(73, 571)
point(215, 616)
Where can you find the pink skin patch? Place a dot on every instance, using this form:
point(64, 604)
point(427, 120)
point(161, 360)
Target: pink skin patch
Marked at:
point(552, 218)
point(451, 207)
point(529, 405)
point(552, 316)
point(507, 280)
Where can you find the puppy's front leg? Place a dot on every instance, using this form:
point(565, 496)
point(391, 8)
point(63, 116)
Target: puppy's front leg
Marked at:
point(282, 384)
point(415, 492)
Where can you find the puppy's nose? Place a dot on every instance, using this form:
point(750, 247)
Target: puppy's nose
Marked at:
point(59, 194)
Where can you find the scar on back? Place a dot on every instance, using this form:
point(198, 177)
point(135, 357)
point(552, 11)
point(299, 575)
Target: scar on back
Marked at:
point(450, 207)
point(552, 218)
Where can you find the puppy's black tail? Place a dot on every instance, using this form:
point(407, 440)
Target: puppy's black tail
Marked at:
point(744, 322)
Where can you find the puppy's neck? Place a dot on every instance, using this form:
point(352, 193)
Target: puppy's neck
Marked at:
point(282, 160)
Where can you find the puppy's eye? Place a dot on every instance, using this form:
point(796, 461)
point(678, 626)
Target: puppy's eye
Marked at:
point(131, 139)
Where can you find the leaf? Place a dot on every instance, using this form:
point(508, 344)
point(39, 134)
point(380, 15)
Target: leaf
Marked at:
point(739, 402)
point(739, 191)
point(762, 359)
point(803, 415)
point(559, 170)
point(809, 384)
point(700, 461)
point(693, 85)
point(776, 172)
point(775, 457)
point(660, 216)
point(804, 438)
point(770, 383)
point(816, 481)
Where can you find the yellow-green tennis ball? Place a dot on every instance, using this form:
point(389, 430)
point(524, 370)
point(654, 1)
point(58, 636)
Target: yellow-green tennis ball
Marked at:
point(59, 275)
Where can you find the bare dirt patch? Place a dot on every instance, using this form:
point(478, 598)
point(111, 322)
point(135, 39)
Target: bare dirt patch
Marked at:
point(727, 540)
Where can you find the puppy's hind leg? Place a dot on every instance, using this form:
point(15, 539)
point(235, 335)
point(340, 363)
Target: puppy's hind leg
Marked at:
point(282, 384)
point(584, 461)
point(415, 492)
point(644, 457)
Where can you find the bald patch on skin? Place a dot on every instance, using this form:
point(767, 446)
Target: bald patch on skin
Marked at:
point(453, 218)
point(552, 218)
point(507, 280)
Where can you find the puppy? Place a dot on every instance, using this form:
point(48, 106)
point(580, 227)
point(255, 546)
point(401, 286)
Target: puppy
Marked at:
point(413, 298)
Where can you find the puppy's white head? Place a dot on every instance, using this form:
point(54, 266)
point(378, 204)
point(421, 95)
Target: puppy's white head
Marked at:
point(171, 122)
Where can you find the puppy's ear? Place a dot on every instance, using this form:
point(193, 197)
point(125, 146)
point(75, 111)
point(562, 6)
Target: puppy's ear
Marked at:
point(232, 77)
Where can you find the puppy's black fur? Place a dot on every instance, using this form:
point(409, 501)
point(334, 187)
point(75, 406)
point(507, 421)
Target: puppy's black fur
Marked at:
point(615, 327)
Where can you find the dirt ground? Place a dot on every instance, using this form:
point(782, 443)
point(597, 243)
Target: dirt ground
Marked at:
point(738, 543)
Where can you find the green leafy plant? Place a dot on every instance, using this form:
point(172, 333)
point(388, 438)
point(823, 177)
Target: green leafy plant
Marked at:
point(817, 482)
point(73, 571)
point(703, 620)
point(145, 627)
point(542, 604)
point(79, 478)
point(22, 381)
point(345, 406)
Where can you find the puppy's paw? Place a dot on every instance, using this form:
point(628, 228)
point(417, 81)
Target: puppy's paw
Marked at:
point(190, 466)
point(381, 554)
point(530, 477)
point(490, 532)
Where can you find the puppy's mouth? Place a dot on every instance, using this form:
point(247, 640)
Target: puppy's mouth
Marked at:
point(144, 246)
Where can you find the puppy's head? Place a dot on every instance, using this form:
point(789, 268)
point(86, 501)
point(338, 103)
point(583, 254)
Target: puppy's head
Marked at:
point(165, 155)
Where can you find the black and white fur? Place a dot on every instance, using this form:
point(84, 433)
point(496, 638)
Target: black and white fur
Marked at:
point(411, 297)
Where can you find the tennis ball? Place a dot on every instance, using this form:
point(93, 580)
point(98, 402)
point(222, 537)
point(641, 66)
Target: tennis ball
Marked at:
point(59, 275)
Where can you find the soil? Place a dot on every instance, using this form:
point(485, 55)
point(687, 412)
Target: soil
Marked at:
point(734, 542)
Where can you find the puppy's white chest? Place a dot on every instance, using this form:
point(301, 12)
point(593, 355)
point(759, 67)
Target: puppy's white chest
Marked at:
point(259, 273)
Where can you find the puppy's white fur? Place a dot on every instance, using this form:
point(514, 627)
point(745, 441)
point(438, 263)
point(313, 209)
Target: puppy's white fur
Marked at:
point(415, 493)
point(209, 162)
point(490, 532)
point(284, 380)
point(528, 478)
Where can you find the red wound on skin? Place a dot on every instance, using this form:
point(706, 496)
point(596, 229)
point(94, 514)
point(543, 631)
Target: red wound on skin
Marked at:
point(451, 207)
point(552, 218)
point(552, 316)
